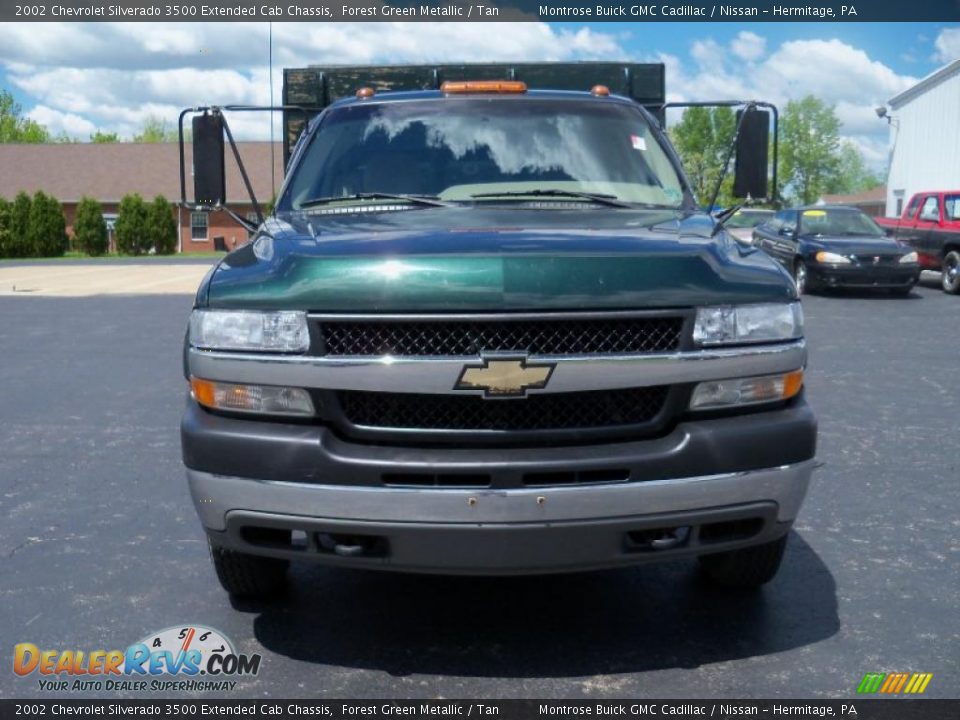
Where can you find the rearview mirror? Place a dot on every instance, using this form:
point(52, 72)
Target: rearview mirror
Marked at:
point(209, 178)
point(750, 169)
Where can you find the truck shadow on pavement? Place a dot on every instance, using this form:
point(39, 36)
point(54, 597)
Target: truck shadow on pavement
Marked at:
point(653, 617)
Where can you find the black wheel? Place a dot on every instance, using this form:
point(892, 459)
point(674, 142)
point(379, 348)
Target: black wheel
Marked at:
point(750, 567)
point(800, 277)
point(902, 292)
point(248, 575)
point(951, 273)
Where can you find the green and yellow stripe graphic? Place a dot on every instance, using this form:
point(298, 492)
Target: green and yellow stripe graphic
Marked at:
point(894, 683)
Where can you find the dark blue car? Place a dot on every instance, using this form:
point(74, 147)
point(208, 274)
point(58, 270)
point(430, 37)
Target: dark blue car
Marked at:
point(834, 247)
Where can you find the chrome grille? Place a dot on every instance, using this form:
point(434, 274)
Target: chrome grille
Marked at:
point(561, 411)
point(885, 259)
point(586, 336)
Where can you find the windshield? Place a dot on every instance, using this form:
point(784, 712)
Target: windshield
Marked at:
point(839, 221)
point(748, 218)
point(458, 148)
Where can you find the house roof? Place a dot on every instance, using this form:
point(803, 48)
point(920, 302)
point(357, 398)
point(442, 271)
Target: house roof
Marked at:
point(108, 171)
point(877, 194)
point(931, 80)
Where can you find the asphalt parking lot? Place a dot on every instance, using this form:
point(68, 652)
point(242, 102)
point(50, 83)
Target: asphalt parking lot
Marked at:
point(99, 544)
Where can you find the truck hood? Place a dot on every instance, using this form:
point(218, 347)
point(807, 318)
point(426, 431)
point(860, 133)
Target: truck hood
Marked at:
point(469, 259)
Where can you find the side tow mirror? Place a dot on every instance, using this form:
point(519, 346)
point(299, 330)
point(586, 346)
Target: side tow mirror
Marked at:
point(209, 178)
point(750, 169)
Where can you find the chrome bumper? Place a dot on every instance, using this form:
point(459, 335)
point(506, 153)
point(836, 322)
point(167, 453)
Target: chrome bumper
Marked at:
point(479, 531)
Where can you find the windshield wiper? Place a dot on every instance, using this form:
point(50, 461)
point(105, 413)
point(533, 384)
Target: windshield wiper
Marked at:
point(429, 200)
point(599, 198)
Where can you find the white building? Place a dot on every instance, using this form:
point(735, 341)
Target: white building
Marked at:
point(925, 138)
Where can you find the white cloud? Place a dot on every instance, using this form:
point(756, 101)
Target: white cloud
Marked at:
point(60, 122)
point(117, 74)
point(748, 46)
point(707, 53)
point(947, 45)
point(112, 76)
point(836, 72)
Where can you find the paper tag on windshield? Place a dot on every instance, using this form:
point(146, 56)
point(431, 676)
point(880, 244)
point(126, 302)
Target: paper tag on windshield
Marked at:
point(638, 142)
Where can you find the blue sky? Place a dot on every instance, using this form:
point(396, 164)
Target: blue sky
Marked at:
point(907, 48)
point(81, 77)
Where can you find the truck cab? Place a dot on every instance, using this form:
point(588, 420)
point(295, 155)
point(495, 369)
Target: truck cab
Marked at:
point(930, 224)
point(489, 331)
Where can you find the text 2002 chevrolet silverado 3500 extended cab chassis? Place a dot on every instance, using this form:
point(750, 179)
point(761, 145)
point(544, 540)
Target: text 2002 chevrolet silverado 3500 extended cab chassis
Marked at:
point(488, 331)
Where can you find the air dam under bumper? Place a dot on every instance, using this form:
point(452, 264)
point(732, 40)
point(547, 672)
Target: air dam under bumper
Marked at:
point(468, 532)
point(864, 276)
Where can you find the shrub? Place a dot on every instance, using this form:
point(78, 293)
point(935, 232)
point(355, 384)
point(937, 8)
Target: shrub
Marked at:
point(18, 242)
point(47, 231)
point(89, 228)
point(131, 226)
point(6, 213)
point(161, 227)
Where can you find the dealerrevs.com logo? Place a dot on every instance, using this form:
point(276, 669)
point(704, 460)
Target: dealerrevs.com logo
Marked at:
point(185, 658)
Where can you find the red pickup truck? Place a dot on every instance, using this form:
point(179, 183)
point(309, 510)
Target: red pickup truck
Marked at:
point(931, 225)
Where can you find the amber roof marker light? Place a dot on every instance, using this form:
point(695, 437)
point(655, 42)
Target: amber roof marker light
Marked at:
point(467, 87)
point(600, 91)
point(365, 92)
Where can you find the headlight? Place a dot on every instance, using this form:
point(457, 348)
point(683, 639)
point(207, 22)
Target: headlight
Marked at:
point(717, 394)
point(734, 324)
point(261, 399)
point(910, 257)
point(284, 331)
point(832, 258)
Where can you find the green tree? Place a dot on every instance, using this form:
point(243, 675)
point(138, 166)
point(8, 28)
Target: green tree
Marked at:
point(130, 228)
point(809, 159)
point(18, 242)
point(6, 215)
point(156, 130)
point(161, 226)
point(853, 175)
point(14, 127)
point(47, 234)
point(702, 139)
point(89, 227)
point(101, 138)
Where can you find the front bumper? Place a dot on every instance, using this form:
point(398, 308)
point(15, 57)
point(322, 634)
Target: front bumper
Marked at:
point(500, 532)
point(299, 491)
point(863, 276)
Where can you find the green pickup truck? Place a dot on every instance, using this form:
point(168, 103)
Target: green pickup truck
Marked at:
point(487, 330)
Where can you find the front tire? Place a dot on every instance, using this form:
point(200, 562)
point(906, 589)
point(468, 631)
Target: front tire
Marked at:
point(800, 277)
point(746, 568)
point(950, 281)
point(248, 575)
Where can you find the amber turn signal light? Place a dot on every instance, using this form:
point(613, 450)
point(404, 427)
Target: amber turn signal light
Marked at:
point(467, 87)
point(716, 394)
point(260, 399)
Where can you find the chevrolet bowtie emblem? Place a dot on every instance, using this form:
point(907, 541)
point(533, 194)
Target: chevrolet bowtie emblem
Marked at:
point(504, 377)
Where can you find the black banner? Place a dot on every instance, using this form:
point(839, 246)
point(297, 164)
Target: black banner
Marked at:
point(855, 709)
point(478, 11)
